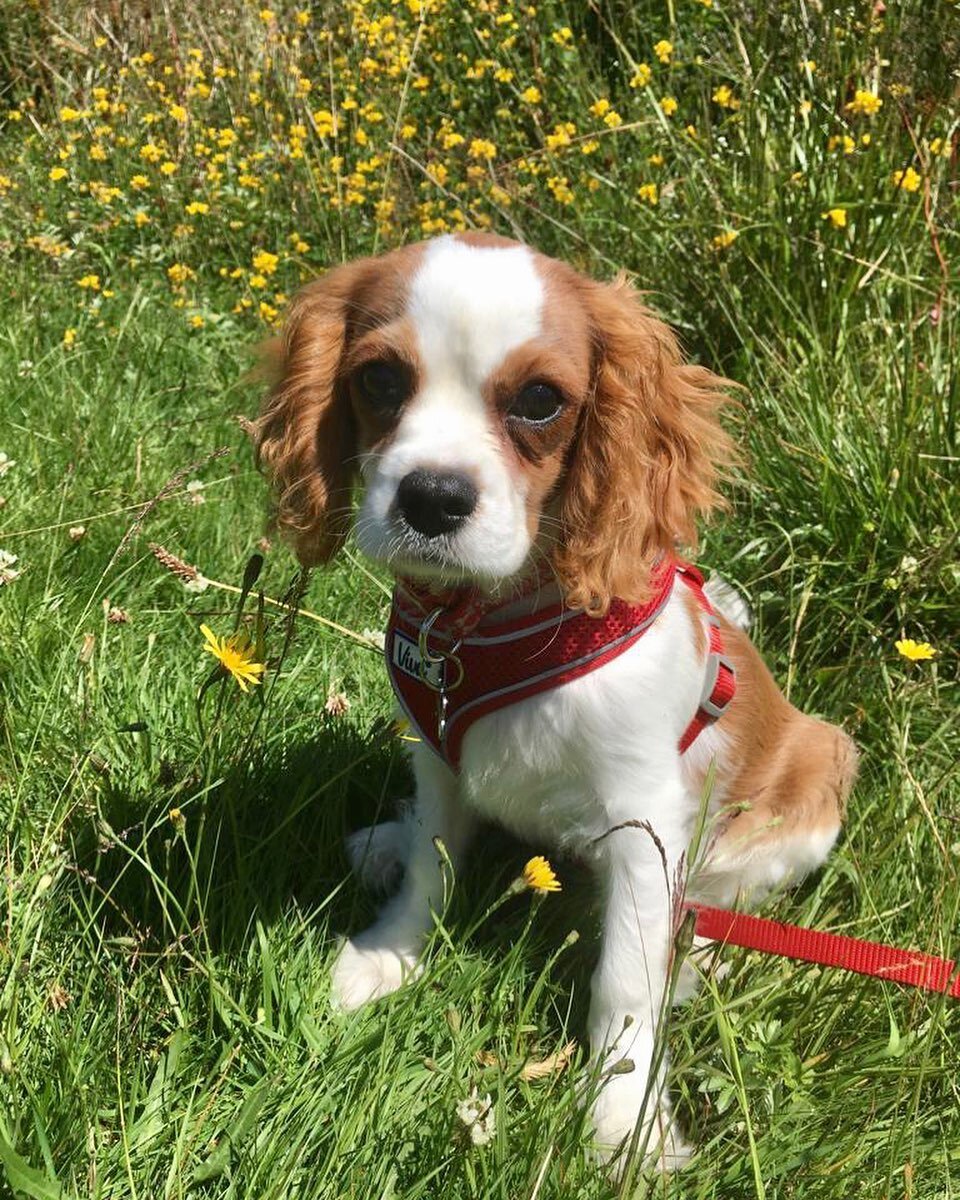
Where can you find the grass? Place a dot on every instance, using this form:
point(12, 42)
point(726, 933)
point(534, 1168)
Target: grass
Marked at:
point(164, 1023)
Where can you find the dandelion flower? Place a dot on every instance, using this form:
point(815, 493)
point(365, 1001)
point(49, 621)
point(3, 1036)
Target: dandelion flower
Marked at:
point(836, 216)
point(234, 654)
point(57, 173)
point(915, 651)
point(539, 877)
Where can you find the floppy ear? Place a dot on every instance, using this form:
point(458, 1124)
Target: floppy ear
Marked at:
point(305, 438)
point(644, 463)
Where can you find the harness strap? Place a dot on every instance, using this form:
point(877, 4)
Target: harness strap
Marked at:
point(720, 680)
point(449, 664)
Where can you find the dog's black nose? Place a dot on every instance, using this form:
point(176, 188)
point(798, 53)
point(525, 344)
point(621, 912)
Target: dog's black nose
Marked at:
point(433, 503)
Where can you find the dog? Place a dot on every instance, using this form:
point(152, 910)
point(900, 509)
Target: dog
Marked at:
point(530, 449)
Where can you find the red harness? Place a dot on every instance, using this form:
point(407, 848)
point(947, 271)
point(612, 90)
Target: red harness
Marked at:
point(450, 664)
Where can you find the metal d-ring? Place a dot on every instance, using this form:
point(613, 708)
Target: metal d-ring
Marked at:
point(427, 659)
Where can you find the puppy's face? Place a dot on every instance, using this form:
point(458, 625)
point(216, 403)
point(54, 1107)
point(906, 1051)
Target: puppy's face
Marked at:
point(498, 409)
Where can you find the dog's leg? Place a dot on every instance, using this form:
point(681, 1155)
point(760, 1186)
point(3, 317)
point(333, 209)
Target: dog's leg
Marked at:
point(377, 854)
point(386, 955)
point(628, 987)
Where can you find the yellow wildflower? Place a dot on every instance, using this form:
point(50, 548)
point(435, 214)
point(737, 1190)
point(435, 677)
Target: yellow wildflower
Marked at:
point(725, 239)
point(663, 50)
point(836, 216)
point(151, 153)
point(235, 656)
point(168, 168)
point(482, 148)
point(915, 651)
point(197, 208)
point(600, 107)
point(864, 104)
point(842, 142)
point(725, 98)
point(69, 337)
point(649, 192)
point(562, 36)
point(531, 95)
point(559, 187)
point(58, 173)
point(90, 282)
point(179, 273)
point(668, 106)
point(641, 76)
point(907, 181)
point(539, 877)
point(265, 263)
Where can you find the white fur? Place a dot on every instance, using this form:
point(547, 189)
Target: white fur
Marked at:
point(565, 768)
point(470, 306)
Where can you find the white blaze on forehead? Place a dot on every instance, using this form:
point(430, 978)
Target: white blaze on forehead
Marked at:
point(471, 305)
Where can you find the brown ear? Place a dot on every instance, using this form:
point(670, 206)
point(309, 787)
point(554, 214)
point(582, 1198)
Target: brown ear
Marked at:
point(305, 436)
point(645, 461)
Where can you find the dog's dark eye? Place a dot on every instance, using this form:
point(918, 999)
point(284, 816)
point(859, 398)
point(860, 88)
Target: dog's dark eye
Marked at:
point(536, 403)
point(384, 385)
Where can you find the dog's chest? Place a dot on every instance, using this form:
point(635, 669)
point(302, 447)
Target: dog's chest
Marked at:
point(560, 766)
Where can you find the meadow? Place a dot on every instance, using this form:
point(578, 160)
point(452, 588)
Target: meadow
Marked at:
point(781, 180)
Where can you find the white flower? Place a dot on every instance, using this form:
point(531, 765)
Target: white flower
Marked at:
point(478, 1117)
point(376, 636)
point(6, 462)
point(909, 565)
point(77, 532)
point(7, 572)
point(194, 489)
point(196, 586)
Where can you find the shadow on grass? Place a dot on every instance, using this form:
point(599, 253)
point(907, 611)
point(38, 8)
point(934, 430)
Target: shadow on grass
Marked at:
point(268, 836)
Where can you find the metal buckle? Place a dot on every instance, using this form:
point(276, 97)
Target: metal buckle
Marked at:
point(707, 705)
point(428, 659)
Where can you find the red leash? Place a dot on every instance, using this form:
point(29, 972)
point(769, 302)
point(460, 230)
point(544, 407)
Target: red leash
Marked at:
point(828, 949)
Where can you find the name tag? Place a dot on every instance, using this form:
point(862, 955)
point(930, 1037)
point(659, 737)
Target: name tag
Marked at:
point(405, 654)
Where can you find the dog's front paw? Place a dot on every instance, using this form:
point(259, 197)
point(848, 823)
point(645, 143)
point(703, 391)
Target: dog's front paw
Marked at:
point(365, 973)
point(618, 1111)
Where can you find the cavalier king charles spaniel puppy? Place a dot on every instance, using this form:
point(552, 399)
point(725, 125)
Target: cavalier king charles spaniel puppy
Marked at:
point(529, 450)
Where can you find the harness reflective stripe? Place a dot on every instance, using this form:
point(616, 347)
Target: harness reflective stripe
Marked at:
point(450, 664)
